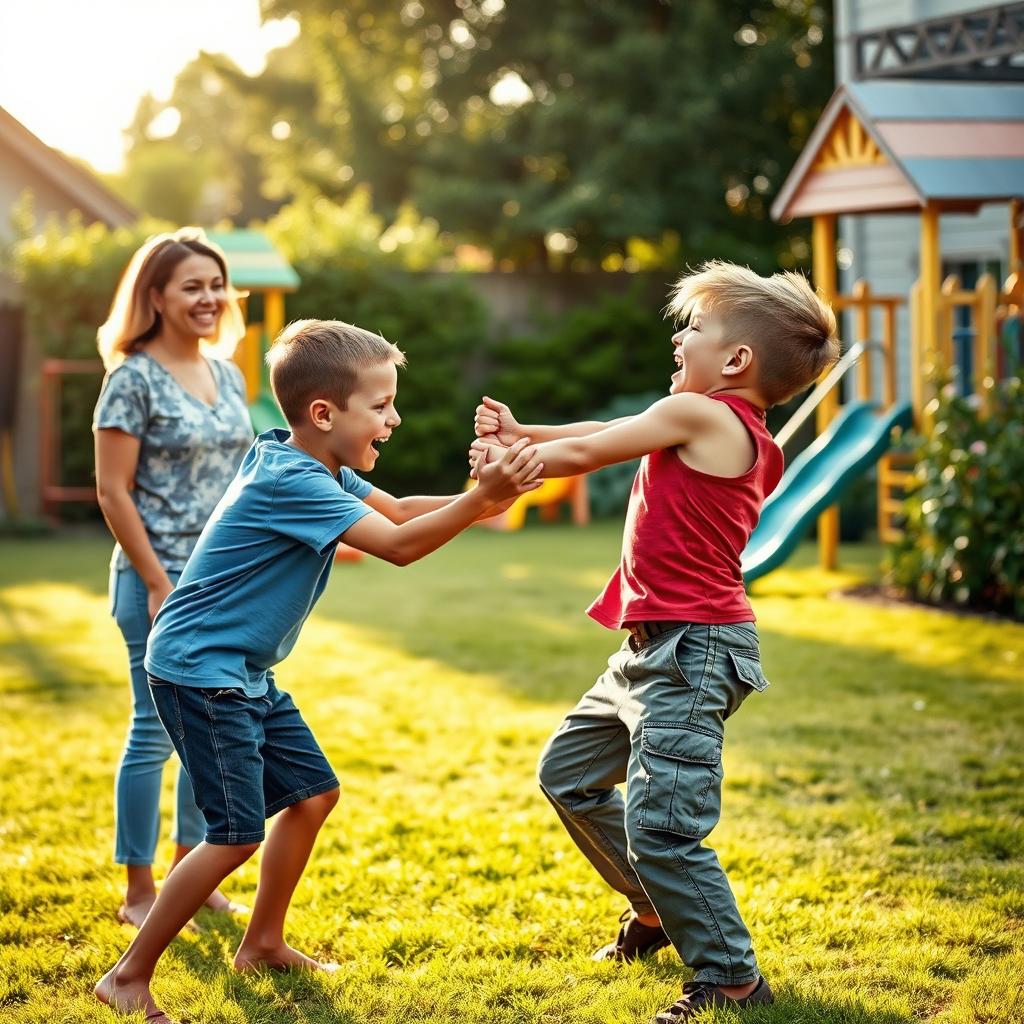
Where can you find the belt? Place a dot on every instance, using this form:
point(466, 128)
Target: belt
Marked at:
point(641, 633)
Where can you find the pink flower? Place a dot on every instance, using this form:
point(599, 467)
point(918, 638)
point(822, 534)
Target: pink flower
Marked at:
point(978, 448)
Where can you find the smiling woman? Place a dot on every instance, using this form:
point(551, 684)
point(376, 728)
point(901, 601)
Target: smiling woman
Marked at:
point(171, 427)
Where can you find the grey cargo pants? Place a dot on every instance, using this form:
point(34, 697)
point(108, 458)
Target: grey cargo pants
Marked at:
point(654, 720)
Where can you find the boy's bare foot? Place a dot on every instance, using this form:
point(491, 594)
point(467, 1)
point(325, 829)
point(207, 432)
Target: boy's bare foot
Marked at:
point(281, 958)
point(128, 997)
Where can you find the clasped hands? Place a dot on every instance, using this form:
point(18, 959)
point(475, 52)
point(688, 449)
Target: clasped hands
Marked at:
point(496, 431)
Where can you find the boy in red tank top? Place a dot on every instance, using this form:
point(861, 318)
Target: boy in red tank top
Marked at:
point(655, 718)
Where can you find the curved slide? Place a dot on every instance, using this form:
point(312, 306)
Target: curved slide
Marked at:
point(816, 479)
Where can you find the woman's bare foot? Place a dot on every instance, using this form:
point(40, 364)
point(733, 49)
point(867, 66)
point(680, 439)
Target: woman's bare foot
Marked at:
point(128, 997)
point(222, 905)
point(281, 958)
point(135, 913)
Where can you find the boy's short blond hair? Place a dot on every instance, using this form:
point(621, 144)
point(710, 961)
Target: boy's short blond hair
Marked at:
point(790, 329)
point(321, 359)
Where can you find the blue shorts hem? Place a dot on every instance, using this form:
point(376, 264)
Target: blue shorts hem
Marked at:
point(235, 838)
point(303, 794)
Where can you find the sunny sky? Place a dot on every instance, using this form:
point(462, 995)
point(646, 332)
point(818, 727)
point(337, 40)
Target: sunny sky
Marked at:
point(72, 72)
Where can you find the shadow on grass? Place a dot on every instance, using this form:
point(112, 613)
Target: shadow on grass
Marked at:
point(45, 673)
point(207, 958)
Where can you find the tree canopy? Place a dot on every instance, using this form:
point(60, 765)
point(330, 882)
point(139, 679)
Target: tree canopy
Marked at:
point(591, 132)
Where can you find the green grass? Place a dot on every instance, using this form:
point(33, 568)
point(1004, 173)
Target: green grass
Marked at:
point(872, 813)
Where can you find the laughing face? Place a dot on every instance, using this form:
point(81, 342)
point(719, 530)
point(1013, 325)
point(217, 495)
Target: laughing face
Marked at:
point(192, 301)
point(698, 354)
point(369, 417)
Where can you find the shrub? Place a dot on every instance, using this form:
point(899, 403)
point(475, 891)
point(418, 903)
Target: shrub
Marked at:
point(963, 539)
point(442, 327)
point(67, 272)
point(581, 360)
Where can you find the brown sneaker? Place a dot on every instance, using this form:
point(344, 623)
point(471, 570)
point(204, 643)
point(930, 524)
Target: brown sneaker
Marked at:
point(702, 995)
point(635, 941)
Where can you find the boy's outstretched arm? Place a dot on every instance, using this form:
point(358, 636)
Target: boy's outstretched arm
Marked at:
point(493, 417)
point(401, 510)
point(517, 472)
point(671, 421)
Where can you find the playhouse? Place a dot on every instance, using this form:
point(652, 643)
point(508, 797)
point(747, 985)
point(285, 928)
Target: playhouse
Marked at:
point(896, 147)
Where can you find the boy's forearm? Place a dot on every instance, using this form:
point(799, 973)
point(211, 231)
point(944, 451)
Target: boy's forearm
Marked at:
point(429, 530)
point(414, 506)
point(566, 456)
point(540, 432)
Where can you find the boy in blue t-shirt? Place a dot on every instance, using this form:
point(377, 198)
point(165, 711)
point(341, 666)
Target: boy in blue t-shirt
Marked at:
point(258, 568)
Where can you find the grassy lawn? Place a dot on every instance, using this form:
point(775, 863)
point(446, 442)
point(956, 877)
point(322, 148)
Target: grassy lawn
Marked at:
point(873, 814)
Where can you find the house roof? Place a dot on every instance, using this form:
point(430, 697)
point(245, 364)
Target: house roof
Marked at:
point(896, 145)
point(84, 190)
point(253, 262)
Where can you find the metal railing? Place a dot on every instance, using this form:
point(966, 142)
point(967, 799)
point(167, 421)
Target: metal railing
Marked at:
point(842, 366)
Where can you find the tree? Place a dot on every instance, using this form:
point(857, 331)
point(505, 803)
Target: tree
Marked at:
point(596, 119)
point(610, 133)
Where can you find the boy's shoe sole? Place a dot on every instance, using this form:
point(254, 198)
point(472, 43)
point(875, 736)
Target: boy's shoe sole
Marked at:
point(703, 995)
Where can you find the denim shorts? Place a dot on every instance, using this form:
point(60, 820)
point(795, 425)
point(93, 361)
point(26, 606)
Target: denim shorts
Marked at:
point(247, 757)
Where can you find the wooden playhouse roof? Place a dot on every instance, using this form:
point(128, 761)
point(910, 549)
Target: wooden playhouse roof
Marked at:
point(895, 146)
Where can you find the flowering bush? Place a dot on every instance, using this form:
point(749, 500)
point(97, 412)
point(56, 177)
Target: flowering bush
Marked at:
point(963, 539)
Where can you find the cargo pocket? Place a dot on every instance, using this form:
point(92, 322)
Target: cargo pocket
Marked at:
point(682, 793)
point(746, 678)
point(748, 668)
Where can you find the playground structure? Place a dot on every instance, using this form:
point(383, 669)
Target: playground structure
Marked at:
point(897, 147)
point(548, 499)
point(260, 271)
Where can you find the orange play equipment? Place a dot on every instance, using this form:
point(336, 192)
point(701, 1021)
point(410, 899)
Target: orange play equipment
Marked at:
point(548, 498)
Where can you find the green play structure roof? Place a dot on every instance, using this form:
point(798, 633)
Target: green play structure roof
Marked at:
point(253, 262)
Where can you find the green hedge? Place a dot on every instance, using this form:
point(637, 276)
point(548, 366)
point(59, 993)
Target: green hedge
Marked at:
point(67, 273)
point(963, 540)
point(442, 328)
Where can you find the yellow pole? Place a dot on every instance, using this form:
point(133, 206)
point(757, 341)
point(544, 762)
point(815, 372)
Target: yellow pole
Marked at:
point(273, 320)
point(985, 341)
point(1016, 235)
point(889, 344)
point(862, 293)
point(273, 313)
point(930, 299)
point(917, 391)
point(824, 246)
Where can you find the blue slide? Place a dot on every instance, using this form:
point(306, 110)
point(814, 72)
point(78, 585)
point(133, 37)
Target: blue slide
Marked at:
point(816, 479)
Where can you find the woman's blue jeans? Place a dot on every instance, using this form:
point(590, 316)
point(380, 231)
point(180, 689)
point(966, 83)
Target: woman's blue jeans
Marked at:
point(147, 747)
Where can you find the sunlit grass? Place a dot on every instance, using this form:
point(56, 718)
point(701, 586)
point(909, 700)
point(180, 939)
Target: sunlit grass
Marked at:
point(872, 825)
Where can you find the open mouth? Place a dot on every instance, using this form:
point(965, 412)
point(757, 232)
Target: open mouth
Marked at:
point(377, 441)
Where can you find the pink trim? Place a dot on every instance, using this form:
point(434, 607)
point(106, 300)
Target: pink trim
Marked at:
point(953, 138)
point(853, 190)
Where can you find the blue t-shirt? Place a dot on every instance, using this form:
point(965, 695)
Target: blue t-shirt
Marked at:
point(259, 566)
point(188, 450)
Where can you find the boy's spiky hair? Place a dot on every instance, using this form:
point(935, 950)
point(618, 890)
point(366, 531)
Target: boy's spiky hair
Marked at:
point(788, 326)
point(321, 359)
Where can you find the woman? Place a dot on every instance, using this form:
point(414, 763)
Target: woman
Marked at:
point(171, 427)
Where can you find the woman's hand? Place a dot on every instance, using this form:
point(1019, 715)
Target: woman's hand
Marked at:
point(158, 593)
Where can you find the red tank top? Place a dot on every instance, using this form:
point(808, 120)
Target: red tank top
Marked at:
point(684, 535)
